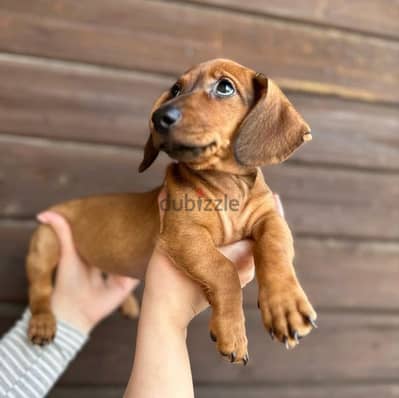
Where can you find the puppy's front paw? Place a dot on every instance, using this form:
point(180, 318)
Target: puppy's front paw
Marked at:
point(286, 312)
point(229, 334)
point(42, 328)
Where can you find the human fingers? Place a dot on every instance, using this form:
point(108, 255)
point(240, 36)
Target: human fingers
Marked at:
point(279, 205)
point(241, 254)
point(62, 229)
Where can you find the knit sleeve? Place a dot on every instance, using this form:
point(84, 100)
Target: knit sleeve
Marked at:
point(29, 371)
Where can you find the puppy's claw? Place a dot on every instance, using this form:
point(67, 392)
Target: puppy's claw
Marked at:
point(296, 337)
point(271, 334)
point(245, 359)
point(285, 342)
point(232, 356)
point(213, 337)
point(312, 322)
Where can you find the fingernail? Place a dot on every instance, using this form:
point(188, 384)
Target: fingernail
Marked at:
point(42, 217)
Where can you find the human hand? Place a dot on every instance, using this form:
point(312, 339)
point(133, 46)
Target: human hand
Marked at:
point(182, 298)
point(81, 296)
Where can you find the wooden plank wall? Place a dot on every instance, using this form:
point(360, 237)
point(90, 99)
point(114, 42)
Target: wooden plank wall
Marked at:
point(76, 83)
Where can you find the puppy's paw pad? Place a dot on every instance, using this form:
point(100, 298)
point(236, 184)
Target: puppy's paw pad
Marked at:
point(42, 328)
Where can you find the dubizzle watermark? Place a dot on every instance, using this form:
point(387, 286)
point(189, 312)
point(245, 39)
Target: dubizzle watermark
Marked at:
point(201, 203)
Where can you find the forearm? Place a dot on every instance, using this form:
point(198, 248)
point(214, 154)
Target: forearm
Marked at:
point(161, 364)
point(27, 370)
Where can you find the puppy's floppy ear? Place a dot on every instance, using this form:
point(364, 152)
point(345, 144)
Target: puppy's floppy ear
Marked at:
point(272, 130)
point(150, 154)
point(150, 150)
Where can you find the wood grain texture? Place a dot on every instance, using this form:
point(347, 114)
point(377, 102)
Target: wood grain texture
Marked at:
point(346, 347)
point(233, 391)
point(368, 16)
point(325, 391)
point(80, 103)
point(344, 275)
point(77, 80)
point(124, 33)
point(335, 274)
point(339, 203)
point(36, 173)
point(91, 104)
point(14, 241)
point(328, 355)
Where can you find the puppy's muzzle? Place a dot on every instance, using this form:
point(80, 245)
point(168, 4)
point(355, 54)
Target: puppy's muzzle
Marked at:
point(165, 118)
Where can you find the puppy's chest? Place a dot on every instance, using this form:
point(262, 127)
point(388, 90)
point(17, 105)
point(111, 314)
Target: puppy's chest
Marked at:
point(227, 205)
point(237, 217)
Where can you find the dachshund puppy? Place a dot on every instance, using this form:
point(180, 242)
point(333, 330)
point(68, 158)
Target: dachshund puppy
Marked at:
point(220, 121)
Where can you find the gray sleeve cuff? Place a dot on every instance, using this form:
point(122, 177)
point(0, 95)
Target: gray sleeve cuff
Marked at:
point(68, 340)
point(27, 370)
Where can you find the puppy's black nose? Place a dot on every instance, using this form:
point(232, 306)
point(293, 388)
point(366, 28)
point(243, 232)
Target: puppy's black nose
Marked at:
point(165, 117)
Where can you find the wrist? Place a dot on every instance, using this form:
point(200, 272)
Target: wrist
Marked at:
point(177, 298)
point(71, 315)
point(165, 312)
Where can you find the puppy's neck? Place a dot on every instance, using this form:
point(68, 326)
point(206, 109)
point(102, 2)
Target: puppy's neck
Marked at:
point(223, 164)
point(215, 181)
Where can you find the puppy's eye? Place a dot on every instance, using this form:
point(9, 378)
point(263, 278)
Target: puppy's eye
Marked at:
point(224, 88)
point(175, 90)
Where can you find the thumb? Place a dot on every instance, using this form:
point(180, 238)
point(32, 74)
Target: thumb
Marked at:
point(62, 230)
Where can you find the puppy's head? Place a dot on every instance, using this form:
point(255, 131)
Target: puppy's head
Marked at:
point(220, 114)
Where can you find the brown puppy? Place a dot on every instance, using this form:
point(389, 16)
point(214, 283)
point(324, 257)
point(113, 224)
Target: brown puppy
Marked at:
point(221, 121)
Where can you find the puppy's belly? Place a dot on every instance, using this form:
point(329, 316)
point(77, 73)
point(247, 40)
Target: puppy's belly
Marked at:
point(116, 232)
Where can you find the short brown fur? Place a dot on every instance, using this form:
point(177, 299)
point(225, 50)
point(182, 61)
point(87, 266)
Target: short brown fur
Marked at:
point(219, 144)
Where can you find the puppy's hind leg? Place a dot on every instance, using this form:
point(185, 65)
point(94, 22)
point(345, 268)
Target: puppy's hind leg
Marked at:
point(42, 258)
point(130, 308)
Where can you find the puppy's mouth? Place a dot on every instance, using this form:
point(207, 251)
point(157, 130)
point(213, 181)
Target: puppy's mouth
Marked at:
point(179, 150)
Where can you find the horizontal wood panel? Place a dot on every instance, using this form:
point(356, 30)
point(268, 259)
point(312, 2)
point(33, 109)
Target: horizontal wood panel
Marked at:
point(87, 392)
point(233, 391)
point(325, 391)
point(378, 17)
point(342, 203)
point(84, 74)
point(92, 104)
point(82, 103)
point(14, 243)
point(335, 274)
point(346, 275)
point(35, 173)
point(328, 355)
point(349, 134)
point(165, 37)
